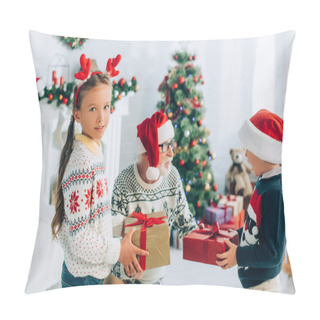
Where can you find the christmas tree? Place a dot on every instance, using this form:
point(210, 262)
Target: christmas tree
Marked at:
point(183, 104)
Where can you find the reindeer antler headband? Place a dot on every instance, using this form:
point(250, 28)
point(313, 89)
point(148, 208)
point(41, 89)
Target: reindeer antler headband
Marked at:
point(84, 73)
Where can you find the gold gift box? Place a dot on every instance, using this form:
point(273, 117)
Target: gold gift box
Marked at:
point(157, 240)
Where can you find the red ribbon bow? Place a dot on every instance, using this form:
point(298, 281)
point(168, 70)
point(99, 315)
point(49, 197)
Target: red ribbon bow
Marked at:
point(146, 223)
point(221, 206)
point(229, 198)
point(213, 232)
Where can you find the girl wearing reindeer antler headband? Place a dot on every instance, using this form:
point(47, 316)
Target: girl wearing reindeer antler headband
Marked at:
point(82, 221)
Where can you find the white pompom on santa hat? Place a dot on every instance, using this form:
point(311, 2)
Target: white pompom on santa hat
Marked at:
point(262, 135)
point(150, 133)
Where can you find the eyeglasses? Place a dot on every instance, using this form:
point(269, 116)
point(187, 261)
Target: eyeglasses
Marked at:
point(165, 146)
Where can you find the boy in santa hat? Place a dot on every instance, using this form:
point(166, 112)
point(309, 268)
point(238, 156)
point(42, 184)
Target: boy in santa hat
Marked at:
point(151, 184)
point(262, 237)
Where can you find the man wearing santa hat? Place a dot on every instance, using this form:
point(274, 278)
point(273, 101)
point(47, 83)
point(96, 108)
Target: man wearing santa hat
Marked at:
point(152, 184)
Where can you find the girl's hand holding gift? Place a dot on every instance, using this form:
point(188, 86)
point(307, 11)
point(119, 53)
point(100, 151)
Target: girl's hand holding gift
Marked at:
point(128, 256)
point(228, 259)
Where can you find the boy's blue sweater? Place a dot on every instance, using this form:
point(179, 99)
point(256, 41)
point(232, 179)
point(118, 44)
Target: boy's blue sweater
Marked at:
point(262, 237)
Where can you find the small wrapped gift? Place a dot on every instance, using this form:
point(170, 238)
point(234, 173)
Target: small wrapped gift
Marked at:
point(202, 245)
point(176, 241)
point(152, 234)
point(235, 222)
point(217, 213)
point(232, 201)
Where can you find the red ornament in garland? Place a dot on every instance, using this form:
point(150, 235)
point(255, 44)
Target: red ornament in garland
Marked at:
point(199, 123)
point(200, 174)
point(175, 86)
point(204, 163)
point(196, 162)
point(198, 204)
point(195, 79)
point(214, 187)
point(181, 162)
point(186, 111)
point(50, 96)
point(122, 81)
point(65, 100)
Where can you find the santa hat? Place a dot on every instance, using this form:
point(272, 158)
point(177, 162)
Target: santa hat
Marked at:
point(152, 132)
point(262, 135)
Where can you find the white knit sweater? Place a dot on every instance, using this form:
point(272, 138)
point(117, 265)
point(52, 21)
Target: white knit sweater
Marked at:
point(86, 233)
point(131, 193)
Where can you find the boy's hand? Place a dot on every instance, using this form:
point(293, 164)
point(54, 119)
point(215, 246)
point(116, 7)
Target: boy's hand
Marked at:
point(228, 258)
point(128, 253)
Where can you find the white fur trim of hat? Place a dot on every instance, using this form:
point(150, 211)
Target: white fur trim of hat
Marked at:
point(261, 144)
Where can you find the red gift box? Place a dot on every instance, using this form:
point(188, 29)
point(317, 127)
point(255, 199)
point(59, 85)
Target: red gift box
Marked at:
point(235, 223)
point(202, 245)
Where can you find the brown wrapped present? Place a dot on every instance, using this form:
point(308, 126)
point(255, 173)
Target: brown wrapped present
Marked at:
point(152, 234)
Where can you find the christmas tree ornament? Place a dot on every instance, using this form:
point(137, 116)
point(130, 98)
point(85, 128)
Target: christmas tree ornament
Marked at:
point(191, 151)
point(209, 176)
point(214, 187)
point(181, 80)
point(207, 186)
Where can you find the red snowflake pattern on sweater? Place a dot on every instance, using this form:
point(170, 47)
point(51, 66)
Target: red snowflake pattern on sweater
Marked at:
point(88, 198)
point(74, 202)
point(99, 189)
